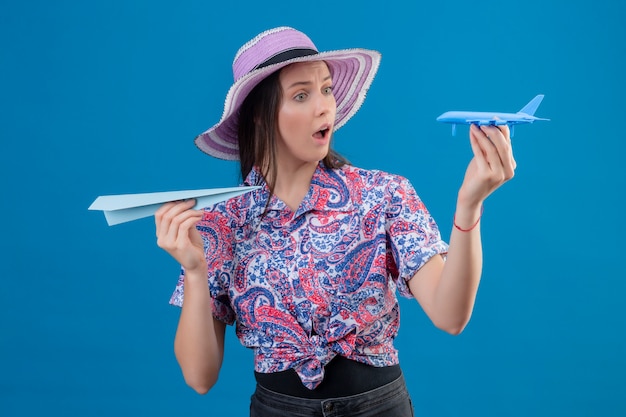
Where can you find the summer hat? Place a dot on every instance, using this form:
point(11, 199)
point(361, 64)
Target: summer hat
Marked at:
point(352, 71)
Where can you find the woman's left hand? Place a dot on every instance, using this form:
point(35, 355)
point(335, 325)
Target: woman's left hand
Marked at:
point(493, 163)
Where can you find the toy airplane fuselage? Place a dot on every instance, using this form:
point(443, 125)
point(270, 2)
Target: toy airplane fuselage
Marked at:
point(525, 115)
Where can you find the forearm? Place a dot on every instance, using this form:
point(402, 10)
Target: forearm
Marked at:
point(198, 347)
point(456, 291)
point(447, 291)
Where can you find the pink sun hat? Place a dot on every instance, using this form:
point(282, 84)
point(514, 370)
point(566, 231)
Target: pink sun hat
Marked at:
point(352, 71)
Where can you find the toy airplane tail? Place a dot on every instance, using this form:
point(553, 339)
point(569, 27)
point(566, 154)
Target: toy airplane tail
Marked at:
point(532, 105)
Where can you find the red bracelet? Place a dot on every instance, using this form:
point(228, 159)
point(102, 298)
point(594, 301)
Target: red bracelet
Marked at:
point(473, 226)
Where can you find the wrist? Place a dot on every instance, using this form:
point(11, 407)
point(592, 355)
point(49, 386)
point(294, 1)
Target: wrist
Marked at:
point(467, 218)
point(196, 274)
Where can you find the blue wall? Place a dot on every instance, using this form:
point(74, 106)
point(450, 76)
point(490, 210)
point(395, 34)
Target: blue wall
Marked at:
point(106, 97)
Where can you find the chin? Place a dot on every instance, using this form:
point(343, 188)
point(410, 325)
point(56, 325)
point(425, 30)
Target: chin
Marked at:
point(316, 155)
point(322, 155)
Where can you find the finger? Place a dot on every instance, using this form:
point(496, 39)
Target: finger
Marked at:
point(177, 228)
point(187, 226)
point(498, 139)
point(488, 147)
point(504, 128)
point(168, 212)
point(504, 149)
point(174, 222)
point(506, 131)
point(158, 215)
point(479, 153)
point(507, 134)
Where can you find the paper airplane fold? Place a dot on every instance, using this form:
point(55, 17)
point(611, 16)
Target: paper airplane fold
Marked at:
point(123, 208)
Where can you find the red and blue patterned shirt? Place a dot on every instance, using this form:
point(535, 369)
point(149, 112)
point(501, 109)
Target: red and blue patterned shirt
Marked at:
point(305, 286)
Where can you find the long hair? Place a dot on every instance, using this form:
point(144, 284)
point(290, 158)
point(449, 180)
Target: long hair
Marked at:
point(258, 128)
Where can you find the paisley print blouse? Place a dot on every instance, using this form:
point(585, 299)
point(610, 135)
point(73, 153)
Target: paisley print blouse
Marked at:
point(305, 286)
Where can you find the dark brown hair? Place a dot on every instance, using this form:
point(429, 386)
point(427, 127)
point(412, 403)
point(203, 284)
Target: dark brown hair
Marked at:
point(257, 129)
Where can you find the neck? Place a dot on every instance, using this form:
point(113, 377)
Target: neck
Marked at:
point(293, 183)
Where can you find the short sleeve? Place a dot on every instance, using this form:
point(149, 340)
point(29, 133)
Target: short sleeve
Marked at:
point(412, 234)
point(218, 250)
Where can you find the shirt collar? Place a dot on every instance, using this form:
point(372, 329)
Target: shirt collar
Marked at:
point(328, 192)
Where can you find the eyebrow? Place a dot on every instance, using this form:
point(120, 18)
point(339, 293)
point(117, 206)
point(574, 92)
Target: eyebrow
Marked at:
point(297, 83)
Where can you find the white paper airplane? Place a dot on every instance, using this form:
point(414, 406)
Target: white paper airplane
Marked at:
point(123, 208)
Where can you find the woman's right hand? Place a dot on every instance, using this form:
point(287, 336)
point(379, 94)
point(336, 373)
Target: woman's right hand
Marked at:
point(199, 342)
point(177, 234)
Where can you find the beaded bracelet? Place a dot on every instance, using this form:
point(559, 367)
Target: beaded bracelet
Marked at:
point(473, 226)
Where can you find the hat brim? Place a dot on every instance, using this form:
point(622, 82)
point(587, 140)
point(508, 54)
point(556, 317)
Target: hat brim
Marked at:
point(352, 70)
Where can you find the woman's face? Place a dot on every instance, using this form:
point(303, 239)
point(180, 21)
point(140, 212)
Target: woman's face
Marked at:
point(306, 115)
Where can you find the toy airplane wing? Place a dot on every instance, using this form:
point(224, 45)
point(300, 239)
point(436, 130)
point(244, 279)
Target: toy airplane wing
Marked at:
point(127, 207)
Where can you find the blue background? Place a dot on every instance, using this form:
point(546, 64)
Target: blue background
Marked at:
point(106, 97)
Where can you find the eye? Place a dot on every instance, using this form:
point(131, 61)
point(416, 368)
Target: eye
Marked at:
point(328, 90)
point(300, 97)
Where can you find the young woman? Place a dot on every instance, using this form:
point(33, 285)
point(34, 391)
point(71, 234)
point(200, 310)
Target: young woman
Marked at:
point(308, 265)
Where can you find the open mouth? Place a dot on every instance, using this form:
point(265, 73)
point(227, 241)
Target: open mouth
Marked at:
point(321, 134)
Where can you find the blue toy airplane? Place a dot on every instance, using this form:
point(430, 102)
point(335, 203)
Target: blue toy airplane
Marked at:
point(525, 115)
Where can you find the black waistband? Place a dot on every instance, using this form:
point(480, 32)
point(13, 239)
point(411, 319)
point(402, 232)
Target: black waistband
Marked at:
point(342, 377)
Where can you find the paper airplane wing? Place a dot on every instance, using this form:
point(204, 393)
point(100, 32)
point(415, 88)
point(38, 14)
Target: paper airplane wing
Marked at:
point(127, 207)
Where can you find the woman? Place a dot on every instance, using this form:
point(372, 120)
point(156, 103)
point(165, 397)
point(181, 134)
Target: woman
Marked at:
point(307, 266)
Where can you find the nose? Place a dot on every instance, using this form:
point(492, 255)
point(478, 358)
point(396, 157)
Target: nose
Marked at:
point(325, 104)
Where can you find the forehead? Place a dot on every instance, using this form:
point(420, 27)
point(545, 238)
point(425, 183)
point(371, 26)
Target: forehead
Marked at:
point(304, 70)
